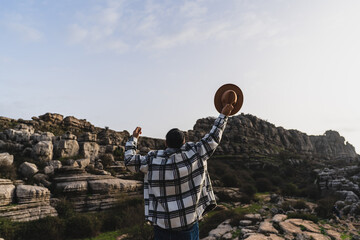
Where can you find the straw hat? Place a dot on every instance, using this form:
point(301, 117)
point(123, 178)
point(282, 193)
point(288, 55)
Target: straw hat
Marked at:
point(229, 94)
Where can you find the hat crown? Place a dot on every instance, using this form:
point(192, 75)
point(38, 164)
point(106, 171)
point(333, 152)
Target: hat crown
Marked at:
point(229, 97)
point(228, 94)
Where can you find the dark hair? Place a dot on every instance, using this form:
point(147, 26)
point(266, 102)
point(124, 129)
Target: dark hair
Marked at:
point(175, 138)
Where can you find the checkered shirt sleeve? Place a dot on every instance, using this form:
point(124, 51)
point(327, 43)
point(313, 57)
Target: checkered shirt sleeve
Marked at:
point(135, 162)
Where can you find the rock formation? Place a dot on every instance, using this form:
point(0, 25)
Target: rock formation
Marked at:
point(75, 159)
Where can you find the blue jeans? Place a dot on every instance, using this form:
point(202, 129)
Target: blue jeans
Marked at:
point(164, 234)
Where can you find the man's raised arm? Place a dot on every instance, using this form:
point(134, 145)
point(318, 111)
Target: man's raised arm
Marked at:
point(135, 162)
point(207, 145)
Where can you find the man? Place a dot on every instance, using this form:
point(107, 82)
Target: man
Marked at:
point(177, 186)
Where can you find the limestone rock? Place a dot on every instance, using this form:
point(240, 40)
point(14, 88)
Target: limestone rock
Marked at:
point(87, 137)
point(27, 212)
point(255, 217)
point(308, 225)
point(83, 163)
point(49, 170)
point(19, 136)
point(76, 187)
point(259, 236)
point(6, 192)
point(317, 236)
point(52, 117)
point(45, 136)
point(30, 194)
point(6, 158)
point(89, 150)
point(222, 229)
point(279, 218)
point(266, 228)
point(28, 169)
point(245, 222)
point(333, 234)
point(289, 228)
point(43, 150)
point(42, 179)
point(113, 185)
point(56, 164)
point(67, 146)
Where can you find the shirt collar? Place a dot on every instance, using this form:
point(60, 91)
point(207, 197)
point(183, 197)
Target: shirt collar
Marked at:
point(170, 151)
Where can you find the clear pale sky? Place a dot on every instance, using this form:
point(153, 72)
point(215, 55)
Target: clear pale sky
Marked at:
point(158, 64)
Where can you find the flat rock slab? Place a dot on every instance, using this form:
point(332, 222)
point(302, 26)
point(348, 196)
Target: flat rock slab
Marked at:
point(333, 234)
point(316, 236)
point(253, 217)
point(266, 227)
point(31, 194)
point(114, 185)
point(221, 229)
point(259, 236)
point(245, 222)
point(289, 228)
point(309, 225)
point(279, 218)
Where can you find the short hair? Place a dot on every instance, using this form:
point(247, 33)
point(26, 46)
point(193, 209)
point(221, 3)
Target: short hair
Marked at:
point(175, 138)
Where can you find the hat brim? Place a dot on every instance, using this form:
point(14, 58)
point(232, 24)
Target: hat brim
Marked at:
point(240, 98)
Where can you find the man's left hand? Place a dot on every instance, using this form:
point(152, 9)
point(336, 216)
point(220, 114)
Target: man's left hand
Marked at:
point(137, 132)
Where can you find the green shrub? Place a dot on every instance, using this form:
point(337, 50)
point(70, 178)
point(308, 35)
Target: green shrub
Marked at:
point(141, 232)
point(263, 185)
point(44, 229)
point(65, 208)
point(290, 189)
point(230, 180)
point(8, 229)
point(83, 225)
point(325, 207)
point(286, 206)
point(249, 189)
point(300, 204)
point(311, 191)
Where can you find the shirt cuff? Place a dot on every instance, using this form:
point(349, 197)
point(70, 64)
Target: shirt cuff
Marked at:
point(134, 139)
point(222, 116)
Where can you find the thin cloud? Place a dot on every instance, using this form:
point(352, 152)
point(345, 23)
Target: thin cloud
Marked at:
point(26, 32)
point(164, 26)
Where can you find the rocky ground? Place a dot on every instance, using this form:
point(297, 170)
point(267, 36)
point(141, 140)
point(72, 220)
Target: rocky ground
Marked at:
point(267, 224)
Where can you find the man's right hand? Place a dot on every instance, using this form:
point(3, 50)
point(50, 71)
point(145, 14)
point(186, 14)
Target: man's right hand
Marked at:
point(227, 109)
point(137, 132)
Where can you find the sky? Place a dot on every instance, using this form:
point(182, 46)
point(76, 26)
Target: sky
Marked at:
point(157, 64)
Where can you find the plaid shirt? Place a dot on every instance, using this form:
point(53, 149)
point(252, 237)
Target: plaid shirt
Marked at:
point(177, 186)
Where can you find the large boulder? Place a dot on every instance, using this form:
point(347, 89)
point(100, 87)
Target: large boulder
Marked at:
point(89, 150)
point(17, 135)
point(43, 150)
point(46, 136)
point(83, 163)
point(31, 194)
point(6, 158)
point(56, 164)
point(6, 192)
point(28, 169)
point(66, 148)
